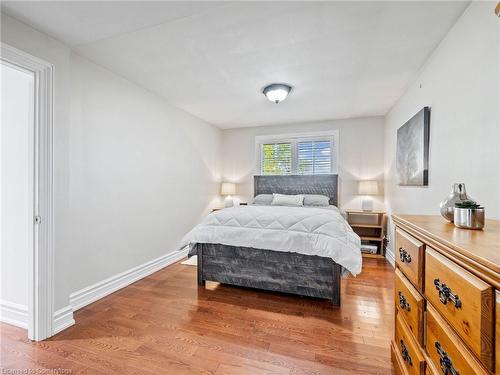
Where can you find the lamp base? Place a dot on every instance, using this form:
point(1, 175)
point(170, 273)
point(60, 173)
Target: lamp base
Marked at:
point(367, 205)
point(228, 202)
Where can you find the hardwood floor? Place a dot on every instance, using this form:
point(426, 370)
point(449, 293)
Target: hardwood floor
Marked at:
point(165, 324)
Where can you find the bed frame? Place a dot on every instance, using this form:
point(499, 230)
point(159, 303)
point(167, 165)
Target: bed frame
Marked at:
point(305, 275)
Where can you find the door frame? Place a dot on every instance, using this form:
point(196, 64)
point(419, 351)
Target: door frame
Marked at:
point(41, 258)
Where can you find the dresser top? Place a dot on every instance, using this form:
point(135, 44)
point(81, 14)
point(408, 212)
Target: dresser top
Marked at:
point(479, 246)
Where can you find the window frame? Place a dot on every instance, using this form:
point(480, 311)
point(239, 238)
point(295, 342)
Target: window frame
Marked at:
point(294, 139)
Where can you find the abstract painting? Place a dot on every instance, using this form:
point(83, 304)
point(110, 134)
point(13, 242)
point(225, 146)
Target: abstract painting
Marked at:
point(412, 155)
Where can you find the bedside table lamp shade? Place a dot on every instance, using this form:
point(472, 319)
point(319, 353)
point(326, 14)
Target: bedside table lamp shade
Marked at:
point(228, 189)
point(367, 188)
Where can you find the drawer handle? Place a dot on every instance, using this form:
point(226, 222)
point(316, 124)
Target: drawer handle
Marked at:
point(403, 302)
point(404, 353)
point(445, 361)
point(404, 256)
point(445, 294)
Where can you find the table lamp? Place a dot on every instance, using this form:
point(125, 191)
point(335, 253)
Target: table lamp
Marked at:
point(367, 188)
point(228, 189)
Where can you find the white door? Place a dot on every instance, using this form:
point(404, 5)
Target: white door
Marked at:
point(16, 192)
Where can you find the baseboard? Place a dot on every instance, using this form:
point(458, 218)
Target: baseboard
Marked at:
point(101, 289)
point(14, 314)
point(17, 315)
point(63, 319)
point(390, 257)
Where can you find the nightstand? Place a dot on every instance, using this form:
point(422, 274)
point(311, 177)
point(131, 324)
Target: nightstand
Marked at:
point(220, 208)
point(369, 226)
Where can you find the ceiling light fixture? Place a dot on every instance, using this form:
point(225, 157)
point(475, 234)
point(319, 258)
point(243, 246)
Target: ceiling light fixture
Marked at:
point(277, 92)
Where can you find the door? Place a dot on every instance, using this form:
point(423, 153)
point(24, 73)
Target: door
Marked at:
point(17, 192)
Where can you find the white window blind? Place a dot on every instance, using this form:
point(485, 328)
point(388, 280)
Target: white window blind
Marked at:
point(314, 157)
point(276, 158)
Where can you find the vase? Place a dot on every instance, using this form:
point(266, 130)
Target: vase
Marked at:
point(457, 194)
point(469, 218)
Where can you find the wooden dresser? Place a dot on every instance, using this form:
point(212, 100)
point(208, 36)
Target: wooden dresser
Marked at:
point(447, 298)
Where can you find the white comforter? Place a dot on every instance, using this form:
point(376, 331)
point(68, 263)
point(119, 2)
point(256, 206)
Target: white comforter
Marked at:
point(306, 230)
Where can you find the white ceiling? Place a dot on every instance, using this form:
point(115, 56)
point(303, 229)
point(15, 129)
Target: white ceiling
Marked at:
point(344, 59)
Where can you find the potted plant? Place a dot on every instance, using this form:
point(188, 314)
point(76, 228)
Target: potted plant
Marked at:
point(468, 215)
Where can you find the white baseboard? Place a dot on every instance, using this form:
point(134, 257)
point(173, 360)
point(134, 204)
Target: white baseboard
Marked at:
point(390, 257)
point(63, 319)
point(17, 315)
point(101, 289)
point(14, 314)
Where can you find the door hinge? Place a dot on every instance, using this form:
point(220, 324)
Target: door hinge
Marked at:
point(38, 219)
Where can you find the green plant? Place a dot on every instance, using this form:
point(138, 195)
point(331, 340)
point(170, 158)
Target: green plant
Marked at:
point(467, 204)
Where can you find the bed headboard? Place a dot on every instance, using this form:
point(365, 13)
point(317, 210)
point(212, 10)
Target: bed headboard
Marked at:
point(318, 184)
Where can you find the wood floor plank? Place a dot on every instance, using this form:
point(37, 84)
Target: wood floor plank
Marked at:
point(259, 367)
point(166, 324)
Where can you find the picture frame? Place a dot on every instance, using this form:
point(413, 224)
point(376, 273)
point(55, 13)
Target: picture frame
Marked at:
point(412, 150)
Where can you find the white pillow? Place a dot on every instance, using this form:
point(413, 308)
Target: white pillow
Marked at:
point(263, 199)
point(287, 200)
point(317, 200)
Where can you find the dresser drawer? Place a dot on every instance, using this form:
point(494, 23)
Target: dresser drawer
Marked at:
point(464, 301)
point(410, 257)
point(497, 334)
point(397, 361)
point(407, 348)
point(410, 304)
point(429, 368)
point(445, 348)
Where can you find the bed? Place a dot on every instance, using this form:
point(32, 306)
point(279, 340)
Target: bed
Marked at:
point(281, 249)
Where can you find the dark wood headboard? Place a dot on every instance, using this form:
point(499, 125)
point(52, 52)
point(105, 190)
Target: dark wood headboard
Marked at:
point(319, 184)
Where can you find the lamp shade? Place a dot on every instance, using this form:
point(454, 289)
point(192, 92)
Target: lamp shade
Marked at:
point(368, 188)
point(277, 92)
point(228, 188)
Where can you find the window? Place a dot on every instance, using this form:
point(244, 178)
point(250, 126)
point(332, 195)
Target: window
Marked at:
point(311, 154)
point(276, 159)
point(314, 157)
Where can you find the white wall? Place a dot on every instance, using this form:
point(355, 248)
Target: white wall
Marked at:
point(461, 83)
point(142, 173)
point(361, 155)
point(16, 185)
point(132, 173)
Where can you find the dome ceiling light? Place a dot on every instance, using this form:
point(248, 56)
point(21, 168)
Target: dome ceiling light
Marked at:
point(277, 92)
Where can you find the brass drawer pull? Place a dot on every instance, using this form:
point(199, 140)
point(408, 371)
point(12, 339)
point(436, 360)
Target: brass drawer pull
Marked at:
point(445, 294)
point(404, 256)
point(403, 302)
point(404, 353)
point(445, 361)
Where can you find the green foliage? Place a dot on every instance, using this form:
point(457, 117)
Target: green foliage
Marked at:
point(467, 204)
point(277, 159)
